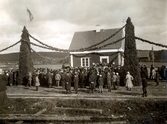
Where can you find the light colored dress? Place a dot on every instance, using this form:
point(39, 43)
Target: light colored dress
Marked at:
point(37, 81)
point(129, 79)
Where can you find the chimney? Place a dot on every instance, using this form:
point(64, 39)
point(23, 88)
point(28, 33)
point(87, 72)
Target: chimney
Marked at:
point(97, 28)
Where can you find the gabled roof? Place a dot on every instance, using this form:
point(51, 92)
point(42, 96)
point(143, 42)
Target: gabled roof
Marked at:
point(87, 38)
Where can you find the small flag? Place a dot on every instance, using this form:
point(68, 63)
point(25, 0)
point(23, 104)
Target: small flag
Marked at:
point(30, 14)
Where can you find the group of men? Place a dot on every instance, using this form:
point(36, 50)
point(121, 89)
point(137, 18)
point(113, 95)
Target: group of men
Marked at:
point(93, 77)
point(77, 77)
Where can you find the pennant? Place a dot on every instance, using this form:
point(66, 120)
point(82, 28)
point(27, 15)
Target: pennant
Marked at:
point(30, 14)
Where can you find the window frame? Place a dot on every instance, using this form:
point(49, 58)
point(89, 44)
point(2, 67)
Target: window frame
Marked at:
point(86, 63)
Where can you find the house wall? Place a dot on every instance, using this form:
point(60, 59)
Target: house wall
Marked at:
point(76, 61)
point(94, 58)
point(115, 61)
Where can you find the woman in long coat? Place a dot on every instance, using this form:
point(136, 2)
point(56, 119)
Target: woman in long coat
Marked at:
point(129, 79)
point(29, 79)
point(37, 83)
point(57, 78)
point(49, 77)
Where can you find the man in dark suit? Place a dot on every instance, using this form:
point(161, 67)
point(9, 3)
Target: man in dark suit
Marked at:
point(92, 80)
point(144, 82)
point(67, 81)
point(76, 80)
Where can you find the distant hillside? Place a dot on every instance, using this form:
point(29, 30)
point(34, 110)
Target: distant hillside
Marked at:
point(15, 56)
point(9, 57)
point(160, 55)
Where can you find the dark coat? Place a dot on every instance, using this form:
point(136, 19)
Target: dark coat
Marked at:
point(100, 81)
point(82, 78)
point(143, 78)
point(67, 81)
point(11, 78)
point(92, 80)
point(144, 82)
point(157, 77)
point(76, 80)
point(49, 77)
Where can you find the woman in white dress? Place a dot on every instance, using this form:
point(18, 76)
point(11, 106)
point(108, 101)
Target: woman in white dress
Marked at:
point(37, 83)
point(129, 79)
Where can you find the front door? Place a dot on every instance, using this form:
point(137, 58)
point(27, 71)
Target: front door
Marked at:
point(104, 59)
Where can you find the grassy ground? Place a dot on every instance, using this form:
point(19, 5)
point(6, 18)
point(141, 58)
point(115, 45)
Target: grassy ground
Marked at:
point(117, 105)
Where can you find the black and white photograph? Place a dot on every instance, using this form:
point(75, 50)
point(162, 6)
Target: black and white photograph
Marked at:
point(83, 62)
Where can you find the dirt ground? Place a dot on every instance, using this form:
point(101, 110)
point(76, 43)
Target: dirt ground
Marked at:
point(25, 104)
point(154, 91)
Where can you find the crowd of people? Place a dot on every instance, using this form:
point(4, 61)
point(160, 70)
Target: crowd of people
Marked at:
point(94, 77)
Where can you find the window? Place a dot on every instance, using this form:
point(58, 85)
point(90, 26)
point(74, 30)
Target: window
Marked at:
point(85, 62)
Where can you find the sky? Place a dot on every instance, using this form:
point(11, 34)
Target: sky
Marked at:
point(56, 21)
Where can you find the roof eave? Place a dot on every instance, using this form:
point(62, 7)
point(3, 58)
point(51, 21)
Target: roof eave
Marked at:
point(99, 51)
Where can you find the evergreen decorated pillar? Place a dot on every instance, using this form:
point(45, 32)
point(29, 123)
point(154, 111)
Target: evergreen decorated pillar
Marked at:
point(130, 54)
point(25, 58)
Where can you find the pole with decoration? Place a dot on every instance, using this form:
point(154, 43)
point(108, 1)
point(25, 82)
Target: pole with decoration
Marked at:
point(25, 57)
point(131, 62)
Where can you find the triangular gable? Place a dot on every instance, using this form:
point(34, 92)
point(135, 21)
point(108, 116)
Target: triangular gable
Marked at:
point(87, 38)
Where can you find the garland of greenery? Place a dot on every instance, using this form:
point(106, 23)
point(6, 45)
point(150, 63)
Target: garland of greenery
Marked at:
point(82, 49)
point(36, 44)
point(10, 46)
point(100, 47)
point(42, 56)
point(94, 53)
point(106, 38)
point(114, 58)
point(47, 46)
point(48, 58)
point(157, 44)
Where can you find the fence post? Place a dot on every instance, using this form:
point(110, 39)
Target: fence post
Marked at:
point(25, 57)
point(131, 62)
